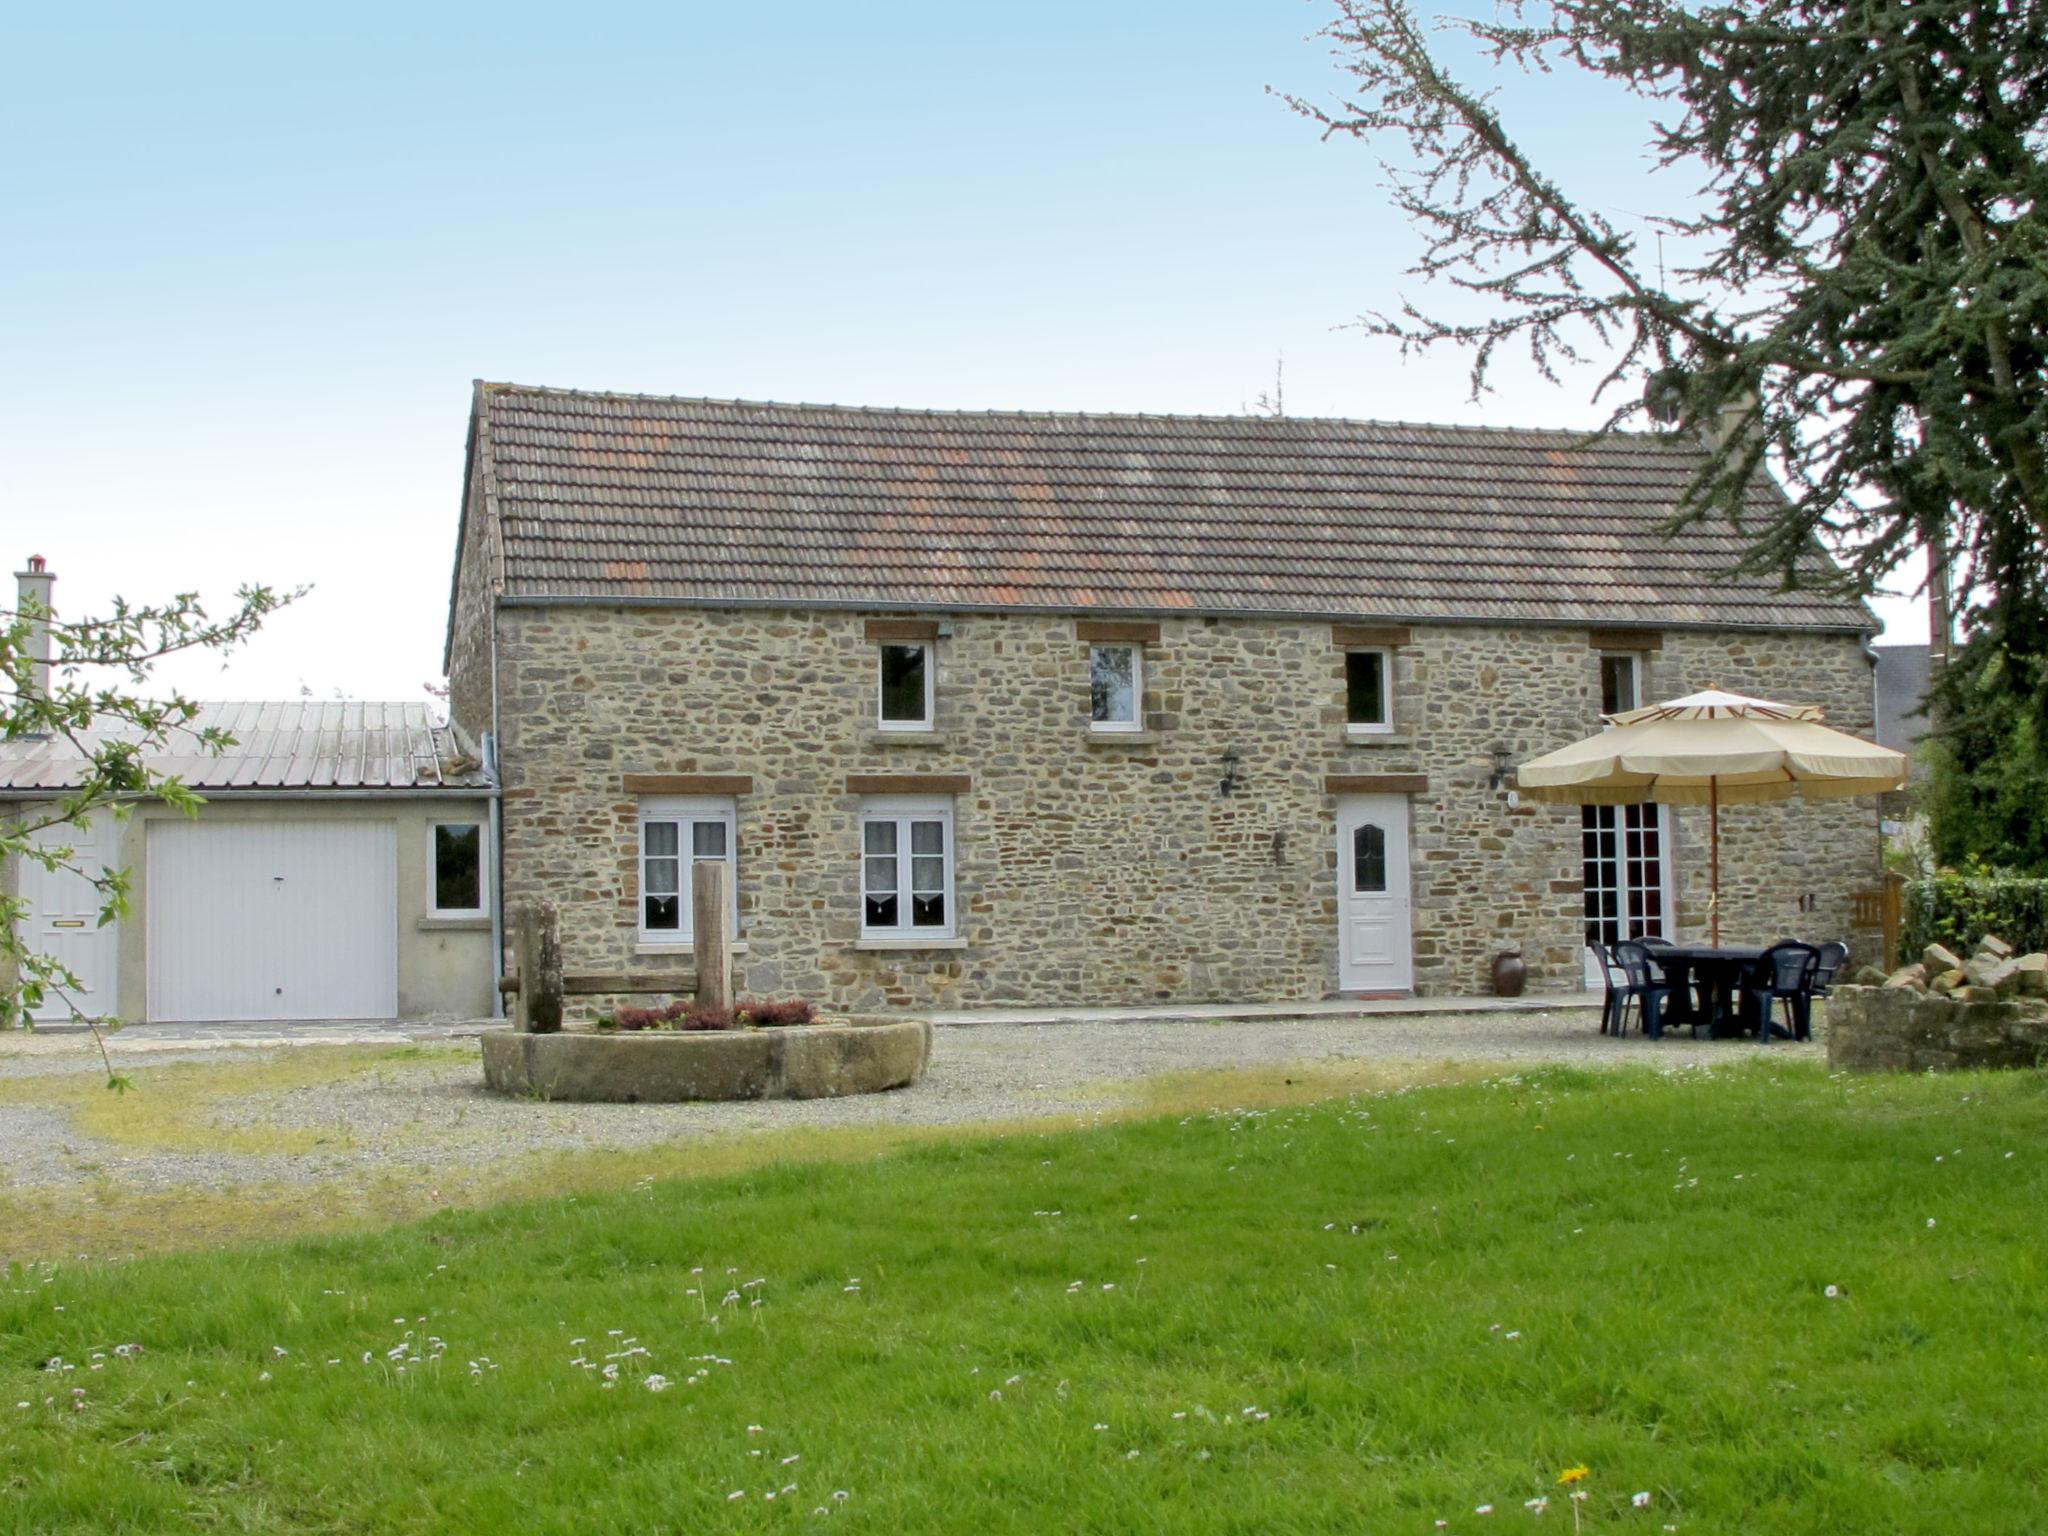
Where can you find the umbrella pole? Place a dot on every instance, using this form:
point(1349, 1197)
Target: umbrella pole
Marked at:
point(1714, 856)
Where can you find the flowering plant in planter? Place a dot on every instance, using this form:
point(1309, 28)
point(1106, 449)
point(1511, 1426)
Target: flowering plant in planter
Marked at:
point(679, 1015)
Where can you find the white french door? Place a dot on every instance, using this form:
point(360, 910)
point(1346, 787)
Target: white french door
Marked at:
point(1627, 875)
point(1375, 949)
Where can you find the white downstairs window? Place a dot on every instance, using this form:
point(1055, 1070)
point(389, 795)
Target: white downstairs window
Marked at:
point(906, 882)
point(678, 832)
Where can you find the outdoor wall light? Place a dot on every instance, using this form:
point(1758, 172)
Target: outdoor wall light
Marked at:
point(1231, 761)
point(1503, 768)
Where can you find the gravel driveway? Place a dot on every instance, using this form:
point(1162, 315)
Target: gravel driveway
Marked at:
point(430, 1115)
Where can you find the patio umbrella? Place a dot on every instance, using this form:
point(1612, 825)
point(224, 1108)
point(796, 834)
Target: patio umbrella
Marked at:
point(1711, 747)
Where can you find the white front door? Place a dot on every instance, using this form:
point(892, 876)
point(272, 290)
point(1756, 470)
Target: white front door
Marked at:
point(272, 920)
point(1374, 950)
point(64, 914)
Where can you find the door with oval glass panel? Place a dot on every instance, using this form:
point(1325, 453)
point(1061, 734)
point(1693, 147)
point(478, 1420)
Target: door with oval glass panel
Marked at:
point(1374, 951)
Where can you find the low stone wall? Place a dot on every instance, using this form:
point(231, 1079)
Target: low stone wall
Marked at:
point(1898, 1029)
point(816, 1061)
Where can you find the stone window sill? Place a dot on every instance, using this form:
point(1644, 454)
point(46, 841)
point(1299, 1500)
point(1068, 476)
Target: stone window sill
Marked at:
point(909, 944)
point(1378, 738)
point(454, 925)
point(1122, 738)
point(644, 948)
point(910, 738)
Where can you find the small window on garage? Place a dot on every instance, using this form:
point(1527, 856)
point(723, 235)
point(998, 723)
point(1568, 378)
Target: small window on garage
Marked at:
point(457, 876)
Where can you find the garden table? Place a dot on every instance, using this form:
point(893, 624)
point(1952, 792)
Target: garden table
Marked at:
point(1718, 969)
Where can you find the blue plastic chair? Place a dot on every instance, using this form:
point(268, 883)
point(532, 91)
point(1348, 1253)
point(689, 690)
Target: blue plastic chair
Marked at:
point(1784, 972)
point(1646, 988)
point(1833, 956)
point(1617, 984)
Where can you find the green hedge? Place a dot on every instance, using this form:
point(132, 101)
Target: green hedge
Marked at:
point(1957, 910)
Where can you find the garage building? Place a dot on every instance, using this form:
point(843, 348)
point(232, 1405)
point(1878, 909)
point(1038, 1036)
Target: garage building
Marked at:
point(341, 868)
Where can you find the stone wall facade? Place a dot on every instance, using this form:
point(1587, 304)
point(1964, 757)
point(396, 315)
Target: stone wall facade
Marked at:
point(470, 658)
point(1094, 869)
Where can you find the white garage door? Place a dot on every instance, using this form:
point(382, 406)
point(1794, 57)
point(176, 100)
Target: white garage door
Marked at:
point(272, 920)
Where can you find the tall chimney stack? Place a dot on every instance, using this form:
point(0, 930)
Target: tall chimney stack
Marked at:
point(32, 588)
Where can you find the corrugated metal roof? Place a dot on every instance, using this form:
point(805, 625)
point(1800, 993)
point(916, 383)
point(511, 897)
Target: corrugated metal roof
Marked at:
point(627, 497)
point(297, 745)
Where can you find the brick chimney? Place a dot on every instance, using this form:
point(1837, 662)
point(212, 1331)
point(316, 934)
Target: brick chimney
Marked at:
point(32, 588)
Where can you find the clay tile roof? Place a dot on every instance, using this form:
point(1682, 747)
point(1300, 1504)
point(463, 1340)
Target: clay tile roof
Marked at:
point(629, 497)
point(301, 745)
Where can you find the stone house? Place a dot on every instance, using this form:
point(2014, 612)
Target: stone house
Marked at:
point(1012, 708)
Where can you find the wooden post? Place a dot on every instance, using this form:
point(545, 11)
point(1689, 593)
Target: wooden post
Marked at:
point(711, 931)
point(537, 951)
point(1714, 857)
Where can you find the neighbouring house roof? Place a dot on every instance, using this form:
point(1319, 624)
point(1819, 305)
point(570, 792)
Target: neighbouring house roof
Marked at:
point(634, 498)
point(1904, 673)
point(300, 745)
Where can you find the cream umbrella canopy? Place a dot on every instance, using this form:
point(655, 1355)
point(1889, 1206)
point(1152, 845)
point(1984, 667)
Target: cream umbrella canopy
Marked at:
point(1711, 747)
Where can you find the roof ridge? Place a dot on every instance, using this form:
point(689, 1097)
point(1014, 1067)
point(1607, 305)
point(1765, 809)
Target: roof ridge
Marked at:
point(493, 389)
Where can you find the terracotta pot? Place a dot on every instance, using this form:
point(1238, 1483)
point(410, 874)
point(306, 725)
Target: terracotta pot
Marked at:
point(1509, 974)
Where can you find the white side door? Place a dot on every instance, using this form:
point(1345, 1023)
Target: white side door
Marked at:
point(64, 914)
point(272, 920)
point(1375, 950)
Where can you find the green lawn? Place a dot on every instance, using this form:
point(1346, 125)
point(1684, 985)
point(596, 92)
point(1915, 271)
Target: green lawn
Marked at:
point(1371, 1315)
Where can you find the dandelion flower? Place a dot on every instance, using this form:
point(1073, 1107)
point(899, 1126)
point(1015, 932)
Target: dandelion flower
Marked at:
point(1572, 1475)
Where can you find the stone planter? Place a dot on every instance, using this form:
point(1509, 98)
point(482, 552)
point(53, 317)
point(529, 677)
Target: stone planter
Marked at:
point(1898, 1029)
point(815, 1061)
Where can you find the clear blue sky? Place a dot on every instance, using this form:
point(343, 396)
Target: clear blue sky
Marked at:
point(252, 256)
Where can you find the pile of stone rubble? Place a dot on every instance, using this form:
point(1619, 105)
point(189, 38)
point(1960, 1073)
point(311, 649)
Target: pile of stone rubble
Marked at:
point(1993, 973)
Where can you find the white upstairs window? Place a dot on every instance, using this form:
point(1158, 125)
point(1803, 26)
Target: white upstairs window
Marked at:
point(1621, 682)
point(1116, 687)
point(1368, 692)
point(904, 685)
